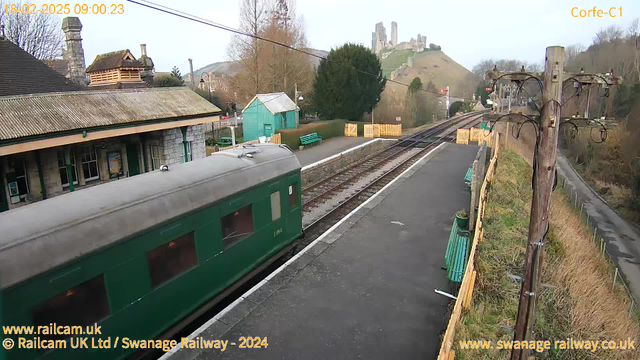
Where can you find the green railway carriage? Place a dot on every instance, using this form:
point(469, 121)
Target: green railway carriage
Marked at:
point(138, 255)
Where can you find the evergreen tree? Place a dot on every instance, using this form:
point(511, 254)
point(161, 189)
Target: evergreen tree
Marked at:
point(341, 91)
point(175, 72)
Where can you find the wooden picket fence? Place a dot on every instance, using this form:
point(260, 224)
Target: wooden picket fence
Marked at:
point(351, 130)
point(276, 138)
point(377, 130)
point(465, 293)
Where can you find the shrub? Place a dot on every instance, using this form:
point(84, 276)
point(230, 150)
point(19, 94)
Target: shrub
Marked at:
point(326, 129)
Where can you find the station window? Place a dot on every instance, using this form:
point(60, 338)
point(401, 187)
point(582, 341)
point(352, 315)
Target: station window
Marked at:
point(89, 163)
point(275, 206)
point(293, 195)
point(172, 259)
point(237, 226)
point(82, 305)
point(62, 168)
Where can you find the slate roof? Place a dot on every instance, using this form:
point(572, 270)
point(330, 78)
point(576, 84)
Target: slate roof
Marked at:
point(21, 73)
point(113, 60)
point(32, 115)
point(276, 102)
point(61, 66)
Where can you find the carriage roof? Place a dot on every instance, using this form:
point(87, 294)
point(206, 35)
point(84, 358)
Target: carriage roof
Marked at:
point(43, 235)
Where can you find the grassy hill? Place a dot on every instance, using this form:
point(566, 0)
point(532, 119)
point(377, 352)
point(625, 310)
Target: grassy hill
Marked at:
point(434, 66)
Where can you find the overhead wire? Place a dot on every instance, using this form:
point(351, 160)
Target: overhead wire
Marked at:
point(187, 16)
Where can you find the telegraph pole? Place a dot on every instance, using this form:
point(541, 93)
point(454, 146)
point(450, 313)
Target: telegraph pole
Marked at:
point(543, 181)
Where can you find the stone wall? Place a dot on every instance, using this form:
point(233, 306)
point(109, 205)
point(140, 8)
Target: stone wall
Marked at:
point(327, 169)
point(173, 149)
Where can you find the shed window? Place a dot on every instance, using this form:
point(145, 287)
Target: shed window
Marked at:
point(237, 226)
point(172, 259)
point(275, 206)
point(293, 195)
point(90, 163)
point(64, 179)
point(82, 305)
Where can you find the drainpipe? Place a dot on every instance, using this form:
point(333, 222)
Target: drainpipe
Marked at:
point(41, 175)
point(184, 143)
point(67, 163)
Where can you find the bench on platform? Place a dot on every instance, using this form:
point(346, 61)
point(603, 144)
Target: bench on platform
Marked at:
point(310, 139)
point(468, 176)
point(457, 253)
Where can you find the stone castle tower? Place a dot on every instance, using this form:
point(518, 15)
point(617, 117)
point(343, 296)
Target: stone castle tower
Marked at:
point(394, 34)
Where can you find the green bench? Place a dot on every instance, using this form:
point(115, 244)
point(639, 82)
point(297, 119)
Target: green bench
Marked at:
point(468, 176)
point(225, 141)
point(457, 253)
point(310, 139)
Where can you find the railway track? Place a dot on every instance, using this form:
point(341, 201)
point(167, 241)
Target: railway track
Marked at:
point(339, 195)
point(334, 198)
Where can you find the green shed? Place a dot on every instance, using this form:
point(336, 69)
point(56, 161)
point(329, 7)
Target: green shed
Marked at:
point(267, 113)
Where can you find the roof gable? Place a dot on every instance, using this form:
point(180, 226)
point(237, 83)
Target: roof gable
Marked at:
point(21, 73)
point(114, 60)
point(275, 102)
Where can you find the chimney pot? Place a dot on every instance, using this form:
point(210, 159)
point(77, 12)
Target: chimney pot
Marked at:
point(143, 49)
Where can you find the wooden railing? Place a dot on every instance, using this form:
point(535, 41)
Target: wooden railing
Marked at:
point(465, 293)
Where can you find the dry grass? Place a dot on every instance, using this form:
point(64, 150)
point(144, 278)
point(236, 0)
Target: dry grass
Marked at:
point(598, 312)
point(579, 301)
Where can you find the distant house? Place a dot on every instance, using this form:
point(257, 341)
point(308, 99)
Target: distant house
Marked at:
point(56, 137)
point(267, 113)
point(116, 70)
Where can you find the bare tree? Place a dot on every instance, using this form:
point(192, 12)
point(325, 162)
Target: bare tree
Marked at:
point(609, 34)
point(268, 67)
point(571, 53)
point(38, 34)
point(245, 50)
point(633, 28)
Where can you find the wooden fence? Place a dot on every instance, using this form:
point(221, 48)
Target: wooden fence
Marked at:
point(351, 130)
point(390, 130)
point(377, 130)
point(276, 138)
point(462, 136)
point(465, 293)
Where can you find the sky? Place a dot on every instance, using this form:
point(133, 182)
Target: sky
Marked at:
point(468, 31)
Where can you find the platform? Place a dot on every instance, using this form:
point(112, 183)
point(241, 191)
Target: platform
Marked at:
point(329, 147)
point(365, 289)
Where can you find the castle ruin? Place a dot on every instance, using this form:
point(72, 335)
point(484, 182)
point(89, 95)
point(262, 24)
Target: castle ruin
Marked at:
point(379, 41)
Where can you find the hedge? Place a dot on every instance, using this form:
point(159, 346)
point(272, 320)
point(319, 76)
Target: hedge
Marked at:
point(326, 129)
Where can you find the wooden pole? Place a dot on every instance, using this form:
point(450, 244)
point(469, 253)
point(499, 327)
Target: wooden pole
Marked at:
point(541, 201)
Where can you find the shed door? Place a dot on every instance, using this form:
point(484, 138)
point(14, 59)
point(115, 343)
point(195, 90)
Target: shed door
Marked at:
point(268, 130)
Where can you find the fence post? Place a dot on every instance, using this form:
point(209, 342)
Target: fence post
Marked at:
point(615, 277)
point(631, 308)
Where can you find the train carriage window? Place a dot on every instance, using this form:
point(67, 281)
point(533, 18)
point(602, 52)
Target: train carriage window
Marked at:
point(172, 259)
point(82, 305)
point(293, 195)
point(237, 226)
point(275, 206)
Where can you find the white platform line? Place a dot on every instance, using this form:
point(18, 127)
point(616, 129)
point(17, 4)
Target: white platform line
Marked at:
point(342, 153)
point(204, 326)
